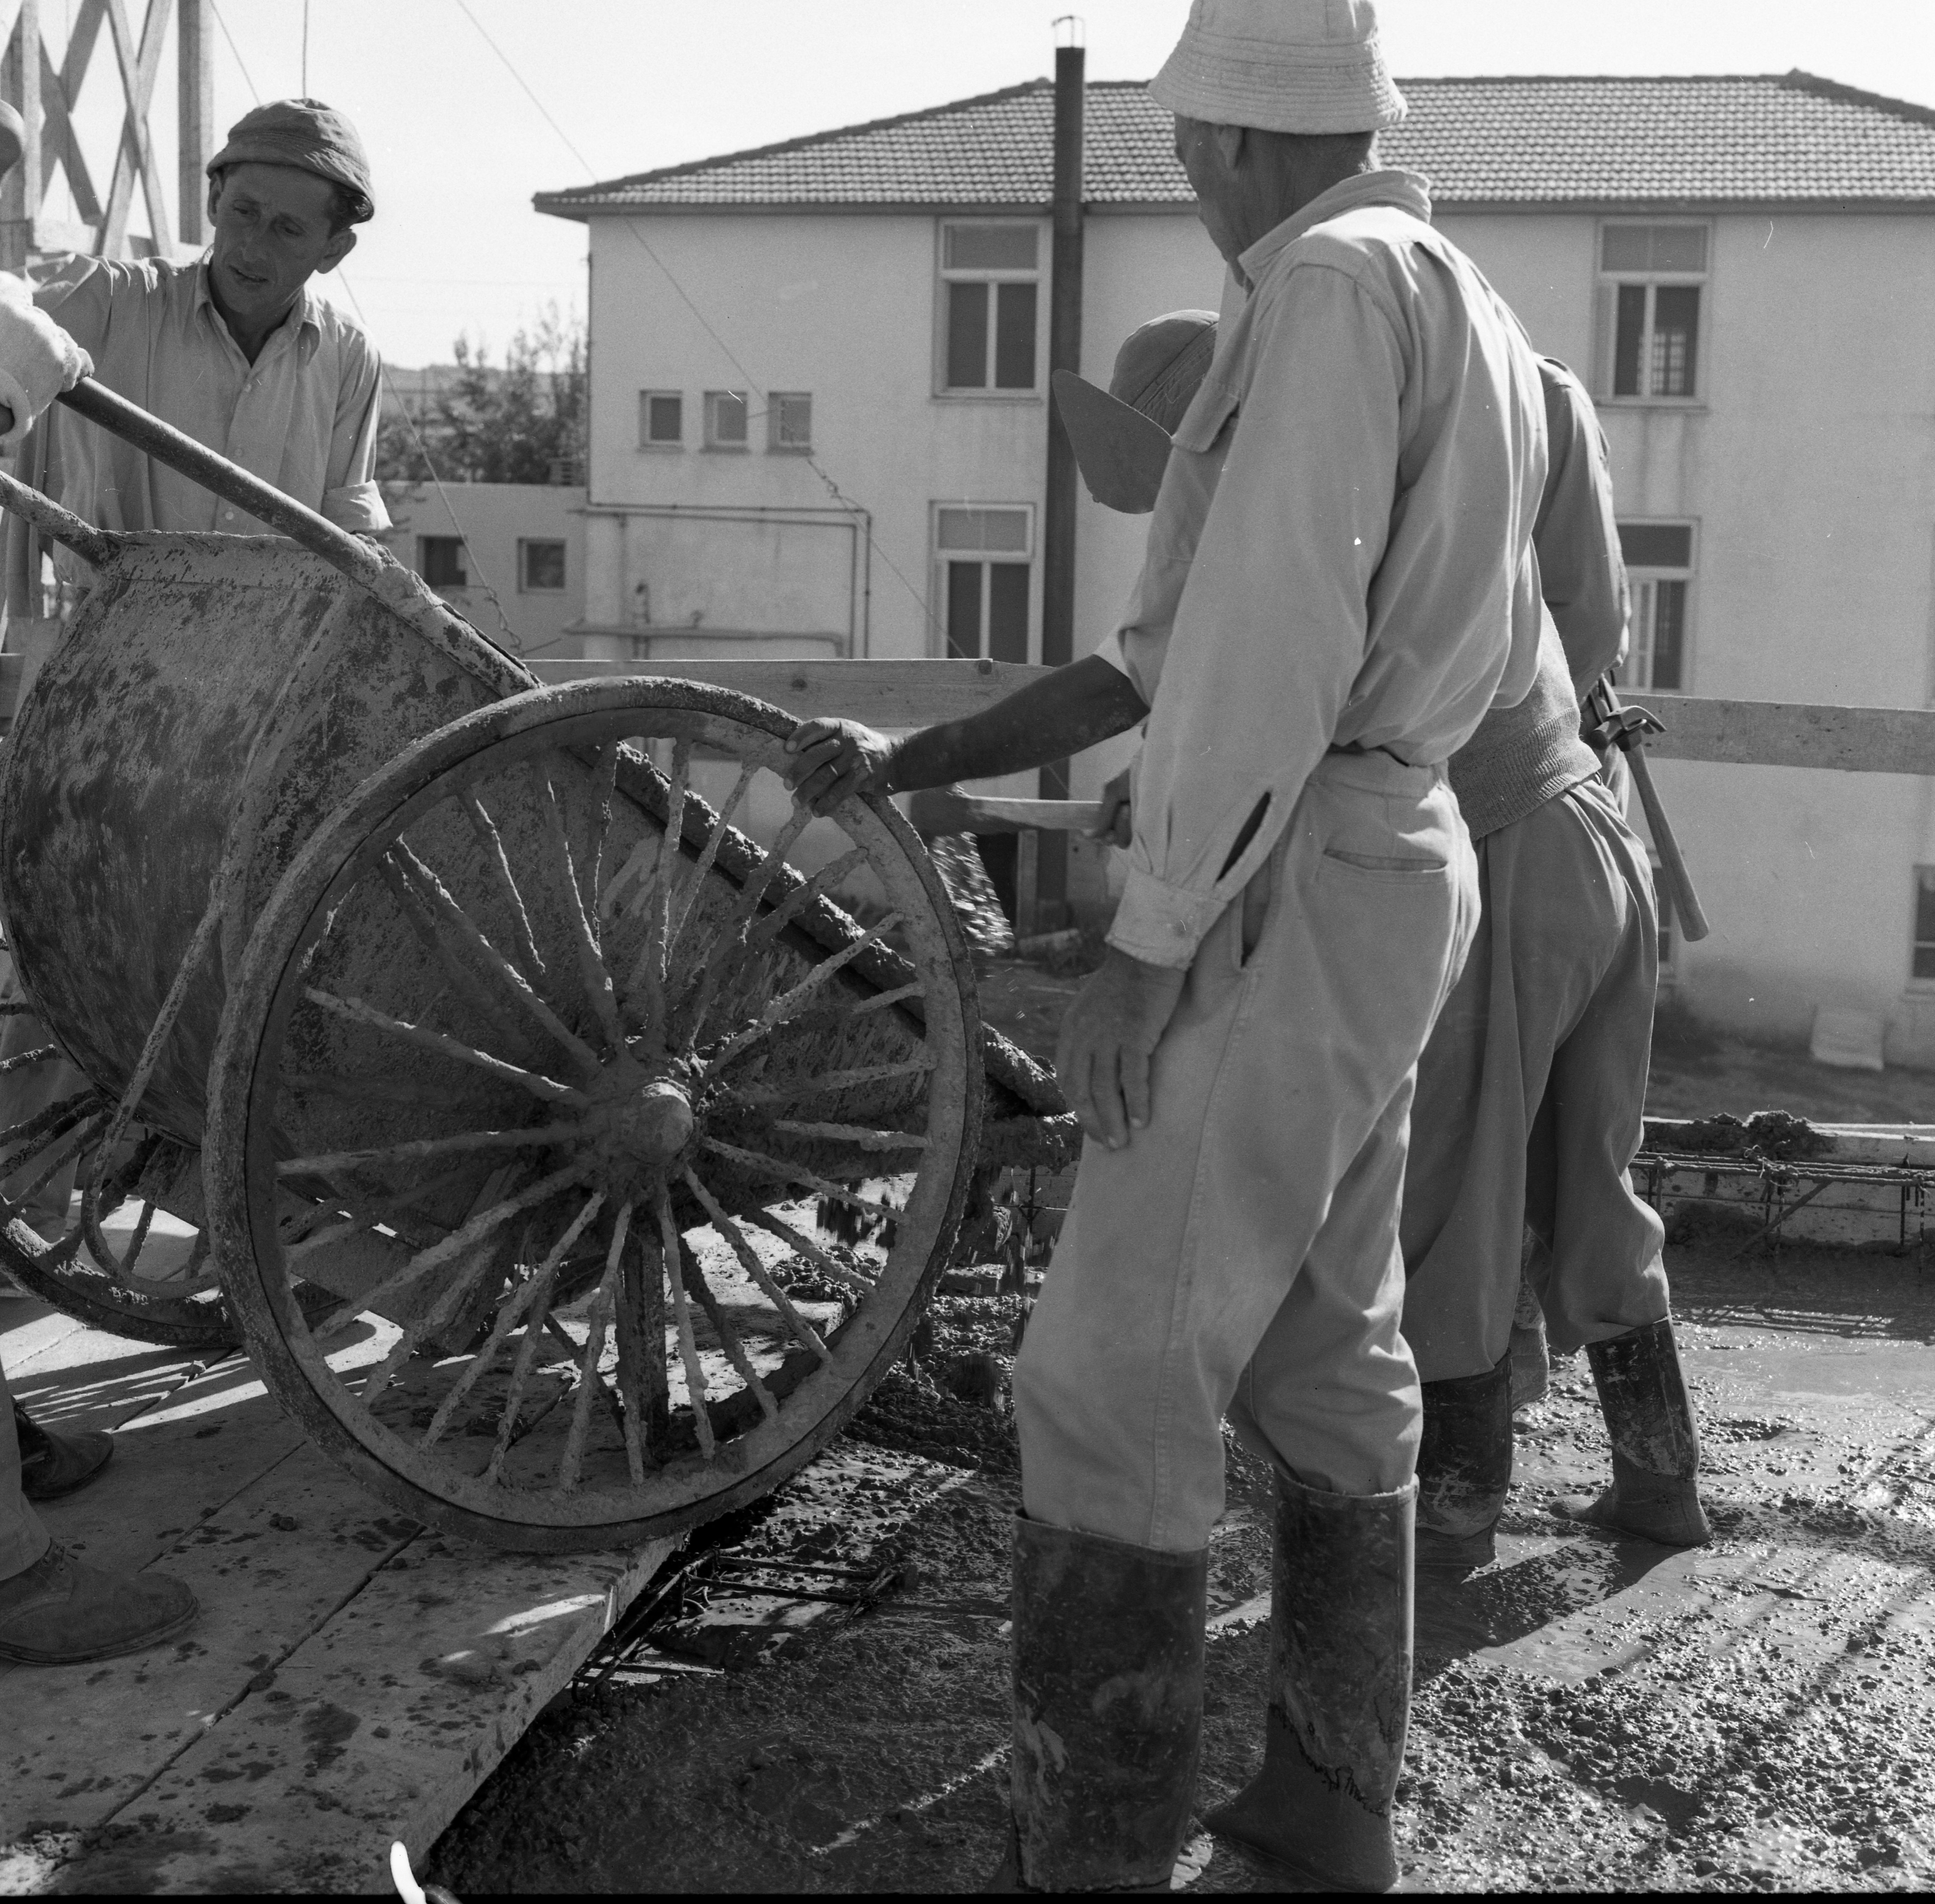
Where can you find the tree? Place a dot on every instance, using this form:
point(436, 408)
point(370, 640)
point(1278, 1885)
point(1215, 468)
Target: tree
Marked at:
point(522, 423)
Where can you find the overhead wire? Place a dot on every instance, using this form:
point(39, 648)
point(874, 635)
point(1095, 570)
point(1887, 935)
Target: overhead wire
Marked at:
point(833, 488)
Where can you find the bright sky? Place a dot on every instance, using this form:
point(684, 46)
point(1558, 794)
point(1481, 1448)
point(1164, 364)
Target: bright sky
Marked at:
point(459, 147)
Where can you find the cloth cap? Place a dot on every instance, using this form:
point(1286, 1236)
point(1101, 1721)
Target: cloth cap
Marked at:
point(1282, 66)
point(309, 135)
point(1160, 363)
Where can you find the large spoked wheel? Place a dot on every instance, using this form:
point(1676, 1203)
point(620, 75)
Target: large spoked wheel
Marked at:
point(565, 1067)
point(129, 1255)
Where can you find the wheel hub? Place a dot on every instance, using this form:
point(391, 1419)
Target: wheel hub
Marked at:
point(642, 1124)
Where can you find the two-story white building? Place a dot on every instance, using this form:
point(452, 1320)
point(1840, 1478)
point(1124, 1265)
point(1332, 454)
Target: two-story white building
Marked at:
point(819, 425)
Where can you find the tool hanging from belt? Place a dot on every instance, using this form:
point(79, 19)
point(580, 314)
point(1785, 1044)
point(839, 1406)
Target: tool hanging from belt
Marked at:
point(1607, 724)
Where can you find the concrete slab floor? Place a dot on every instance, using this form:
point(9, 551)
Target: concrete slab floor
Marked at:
point(1590, 1713)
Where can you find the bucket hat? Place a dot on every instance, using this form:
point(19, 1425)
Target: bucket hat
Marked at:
point(1282, 66)
point(309, 135)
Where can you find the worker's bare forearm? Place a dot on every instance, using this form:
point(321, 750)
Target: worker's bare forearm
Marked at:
point(1075, 707)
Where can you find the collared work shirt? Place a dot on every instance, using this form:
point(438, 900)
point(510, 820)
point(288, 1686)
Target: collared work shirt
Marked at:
point(303, 416)
point(1581, 572)
point(1344, 536)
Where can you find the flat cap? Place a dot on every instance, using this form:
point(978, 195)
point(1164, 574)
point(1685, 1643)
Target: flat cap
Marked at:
point(309, 135)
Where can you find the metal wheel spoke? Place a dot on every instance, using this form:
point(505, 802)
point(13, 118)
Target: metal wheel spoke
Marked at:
point(867, 1139)
point(792, 1173)
point(47, 1125)
point(544, 1136)
point(573, 1460)
point(649, 969)
point(688, 1347)
point(89, 1129)
point(591, 974)
point(380, 1376)
point(724, 955)
point(452, 1246)
point(517, 988)
point(811, 1250)
point(604, 774)
point(634, 1377)
point(478, 1000)
point(539, 1318)
point(721, 827)
point(700, 1291)
point(361, 1089)
point(831, 1081)
point(496, 864)
point(749, 1260)
point(764, 931)
point(357, 1012)
point(24, 1058)
point(790, 1002)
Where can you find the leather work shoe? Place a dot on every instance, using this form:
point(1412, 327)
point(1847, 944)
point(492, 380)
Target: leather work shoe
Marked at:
point(60, 1612)
point(1464, 1471)
point(1318, 1816)
point(1656, 1489)
point(1108, 1710)
point(53, 1465)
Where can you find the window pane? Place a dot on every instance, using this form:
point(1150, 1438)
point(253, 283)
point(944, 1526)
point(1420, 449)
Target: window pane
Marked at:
point(440, 561)
point(726, 417)
point(663, 417)
point(1669, 635)
point(1924, 910)
point(1008, 610)
point(968, 336)
point(542, 564)
point(1625, 248)
point(1679, 248)
point(1657, 545)
point(1676, 327)
point(1014, 337)
point(1924, 962)
point(1003, 530)
point(1626, 349)
point(964, 611)
point(792, 417)
point(991, 247)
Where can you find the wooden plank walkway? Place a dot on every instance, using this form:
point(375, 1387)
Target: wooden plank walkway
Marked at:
point(353, 1678)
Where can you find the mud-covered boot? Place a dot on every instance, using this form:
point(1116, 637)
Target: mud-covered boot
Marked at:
point(1656, 1489)
point(53, 1464)
point(1464, 1470)
point(1108, 1712)
point(1319, 1812)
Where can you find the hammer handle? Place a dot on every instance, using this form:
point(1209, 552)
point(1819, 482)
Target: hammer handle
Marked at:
point(1684, 901)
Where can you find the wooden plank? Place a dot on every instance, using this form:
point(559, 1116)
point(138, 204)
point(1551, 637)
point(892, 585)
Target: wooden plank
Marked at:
point(1793, 734)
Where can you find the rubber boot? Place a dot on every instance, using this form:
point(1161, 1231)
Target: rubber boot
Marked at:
point(53, 1465)
point(1656, 1489)
point(61, 1611)
point(1108, 1711)
point(1319, 1812)
point(1464, 1470)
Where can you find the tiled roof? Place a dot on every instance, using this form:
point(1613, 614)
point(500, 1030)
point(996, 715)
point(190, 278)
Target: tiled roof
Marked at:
point(1764, 138)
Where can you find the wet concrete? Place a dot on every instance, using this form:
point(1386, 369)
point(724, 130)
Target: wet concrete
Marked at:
point(1590, 1713)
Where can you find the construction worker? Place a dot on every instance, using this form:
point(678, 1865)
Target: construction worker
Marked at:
point(1344, 530)
point(55, 1610)
point(235, 350)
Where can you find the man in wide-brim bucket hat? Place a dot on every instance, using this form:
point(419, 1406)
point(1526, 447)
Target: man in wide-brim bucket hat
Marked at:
point(1340, 584)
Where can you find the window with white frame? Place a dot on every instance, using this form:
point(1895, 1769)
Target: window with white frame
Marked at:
point(440, 561)
point(540, 565)
point(1652, 277)
point(990, 291)
point(1659, 574)
point(1922, 951)
point(661, 419)
point(726, 411)
point(789, 420)
point(982, 559)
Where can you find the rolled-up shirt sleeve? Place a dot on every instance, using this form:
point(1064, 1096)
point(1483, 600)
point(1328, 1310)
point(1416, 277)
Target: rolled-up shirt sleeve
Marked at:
point(1270, 630)
point(352, 498)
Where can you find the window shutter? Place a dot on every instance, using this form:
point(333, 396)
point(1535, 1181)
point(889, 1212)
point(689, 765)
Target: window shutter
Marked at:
point(1605, 339)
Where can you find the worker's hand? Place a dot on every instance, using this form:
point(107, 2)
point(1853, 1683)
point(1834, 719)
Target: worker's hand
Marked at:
point(832, 758)
point(38, 360)
point(1108, 1036)
point(1117, 824)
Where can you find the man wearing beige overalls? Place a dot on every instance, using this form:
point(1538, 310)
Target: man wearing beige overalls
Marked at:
point(1363, 463)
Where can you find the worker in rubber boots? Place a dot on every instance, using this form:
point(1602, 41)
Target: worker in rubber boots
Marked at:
point(1365, 459)
point(55, 1610)
point(1530, 1091)
point(235, 350)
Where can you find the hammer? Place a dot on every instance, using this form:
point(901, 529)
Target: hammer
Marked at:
point(1608, 724)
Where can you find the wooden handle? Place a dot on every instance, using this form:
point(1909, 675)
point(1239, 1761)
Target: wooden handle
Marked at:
point(1678, 882)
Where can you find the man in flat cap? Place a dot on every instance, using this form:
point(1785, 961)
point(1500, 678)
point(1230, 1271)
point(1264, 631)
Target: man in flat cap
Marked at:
point(1345, 529)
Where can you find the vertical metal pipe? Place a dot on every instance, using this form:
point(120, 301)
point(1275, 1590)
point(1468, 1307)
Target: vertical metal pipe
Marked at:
point(20, 86)
point(1064, 353)
point(195, 125)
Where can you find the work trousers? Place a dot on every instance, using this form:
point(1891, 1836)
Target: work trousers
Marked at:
point(1239, 1256)
point(22, 1539)
point(1529, 1100)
